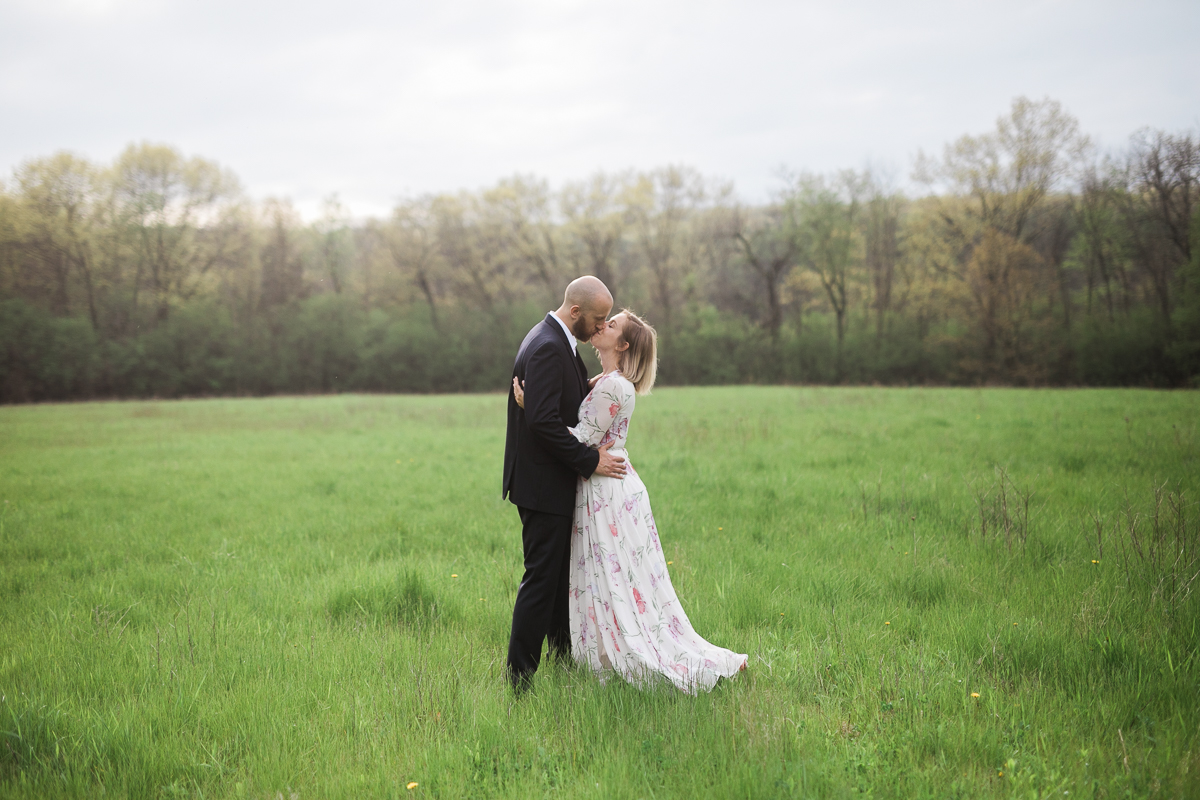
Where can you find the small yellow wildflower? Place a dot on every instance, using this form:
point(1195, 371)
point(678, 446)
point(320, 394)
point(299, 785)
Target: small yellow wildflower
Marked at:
point(974, 694)
point(411, 785)
point(397, 461)
point(999, 774)
point(1014, 624)
point(669, 563)
point(720, 529)
point(454, 576)
point(1094, 561)
point(887, 623)
point(781, 613)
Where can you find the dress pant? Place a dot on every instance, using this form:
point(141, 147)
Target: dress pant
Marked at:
point(541, 610)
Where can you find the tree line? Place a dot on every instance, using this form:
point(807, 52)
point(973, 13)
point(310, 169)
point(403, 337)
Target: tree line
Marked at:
point(1028, 258)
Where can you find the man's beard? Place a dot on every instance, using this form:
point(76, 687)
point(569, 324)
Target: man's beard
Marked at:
point(579, 329)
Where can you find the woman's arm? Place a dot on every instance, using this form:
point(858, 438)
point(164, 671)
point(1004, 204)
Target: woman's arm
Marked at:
point(598, 412)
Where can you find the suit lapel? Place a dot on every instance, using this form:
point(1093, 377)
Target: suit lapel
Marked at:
point(580, 369)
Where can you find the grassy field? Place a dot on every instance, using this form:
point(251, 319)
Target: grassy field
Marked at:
point(310, 598)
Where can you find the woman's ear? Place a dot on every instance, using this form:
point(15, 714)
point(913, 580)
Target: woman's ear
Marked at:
point(622, 346)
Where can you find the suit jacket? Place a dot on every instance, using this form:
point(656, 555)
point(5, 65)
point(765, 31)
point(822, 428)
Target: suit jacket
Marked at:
point(542, 460)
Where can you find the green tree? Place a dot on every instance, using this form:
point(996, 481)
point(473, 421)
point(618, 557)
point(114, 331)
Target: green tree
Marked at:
point(662, 206)
point(171, 214)
point(769, 248)
point(520, 210)
point(411, 236)
point(825, 214)
point(59, 195)
point(595, 222)
point(282, 265)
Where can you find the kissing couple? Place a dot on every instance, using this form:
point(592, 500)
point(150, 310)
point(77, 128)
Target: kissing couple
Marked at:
point(595, 581)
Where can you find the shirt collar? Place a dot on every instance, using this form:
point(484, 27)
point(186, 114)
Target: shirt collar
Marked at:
point(567, 331)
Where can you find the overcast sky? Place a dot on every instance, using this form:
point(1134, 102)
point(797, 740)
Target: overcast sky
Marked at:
point(373, 100)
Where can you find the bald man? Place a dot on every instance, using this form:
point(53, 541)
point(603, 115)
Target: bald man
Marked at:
point(542, 465)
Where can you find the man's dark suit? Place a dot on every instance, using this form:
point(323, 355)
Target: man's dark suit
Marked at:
point(542, 462)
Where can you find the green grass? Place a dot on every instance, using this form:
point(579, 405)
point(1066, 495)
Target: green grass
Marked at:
point(249, 598)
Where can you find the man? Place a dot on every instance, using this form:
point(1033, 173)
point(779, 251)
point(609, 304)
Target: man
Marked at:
point(542, 463)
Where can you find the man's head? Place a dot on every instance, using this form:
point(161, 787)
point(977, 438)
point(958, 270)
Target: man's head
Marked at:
point(585, 306)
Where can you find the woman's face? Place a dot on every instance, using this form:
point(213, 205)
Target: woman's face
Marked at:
point(610, 335)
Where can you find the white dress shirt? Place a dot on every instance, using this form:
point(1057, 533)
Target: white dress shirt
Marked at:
point(567, 331)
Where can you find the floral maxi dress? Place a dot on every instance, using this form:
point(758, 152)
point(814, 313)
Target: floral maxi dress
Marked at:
point(625, 616)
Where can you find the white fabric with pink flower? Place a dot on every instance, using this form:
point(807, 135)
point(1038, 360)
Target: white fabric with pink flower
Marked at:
point(625, 615)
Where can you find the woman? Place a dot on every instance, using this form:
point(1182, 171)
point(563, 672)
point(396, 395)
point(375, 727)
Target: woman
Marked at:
point(625, 616)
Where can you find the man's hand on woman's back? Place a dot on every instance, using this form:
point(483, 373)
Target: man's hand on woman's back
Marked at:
point(610, 466)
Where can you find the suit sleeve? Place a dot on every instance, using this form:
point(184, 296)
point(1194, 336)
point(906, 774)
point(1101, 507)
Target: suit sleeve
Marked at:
point(543, 396)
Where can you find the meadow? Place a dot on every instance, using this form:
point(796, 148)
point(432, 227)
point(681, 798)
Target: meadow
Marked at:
point(943, 593)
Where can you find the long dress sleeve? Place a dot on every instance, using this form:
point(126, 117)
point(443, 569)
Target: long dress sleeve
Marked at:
point(603, 405)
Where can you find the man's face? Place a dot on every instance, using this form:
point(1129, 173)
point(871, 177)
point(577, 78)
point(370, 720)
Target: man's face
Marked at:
point(590, 320)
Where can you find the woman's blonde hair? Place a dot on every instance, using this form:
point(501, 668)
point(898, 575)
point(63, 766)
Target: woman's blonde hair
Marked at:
point(638, 362)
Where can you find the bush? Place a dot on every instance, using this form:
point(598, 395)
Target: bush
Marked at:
point(43, 357)
point(330, 343)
